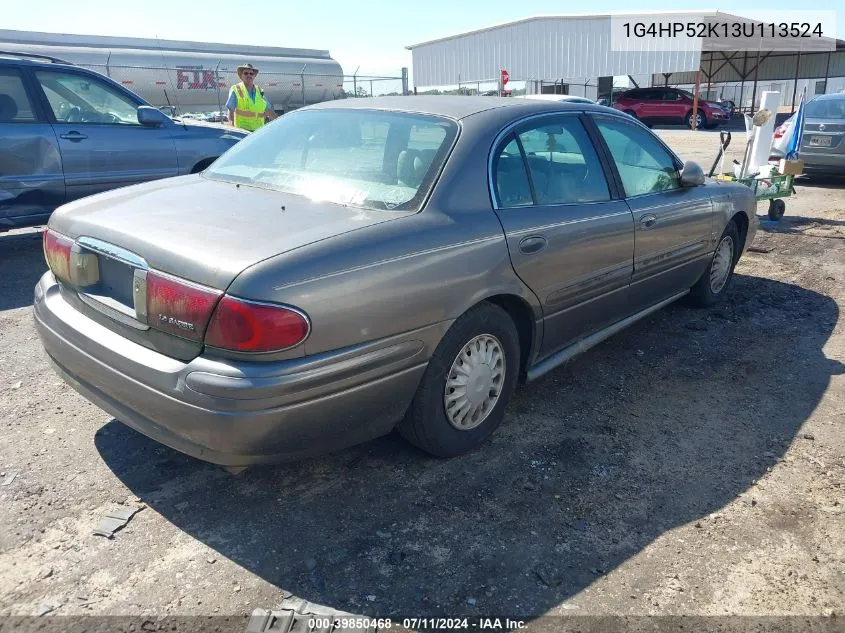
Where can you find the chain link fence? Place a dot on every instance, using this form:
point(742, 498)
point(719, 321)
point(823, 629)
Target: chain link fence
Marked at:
point(196, 89)
point(519, 86)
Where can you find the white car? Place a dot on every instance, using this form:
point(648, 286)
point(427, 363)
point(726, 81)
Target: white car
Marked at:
point(567, 98)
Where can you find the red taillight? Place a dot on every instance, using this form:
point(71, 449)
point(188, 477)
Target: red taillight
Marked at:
point(246, 326)
point(179, 307)
point(57, 253)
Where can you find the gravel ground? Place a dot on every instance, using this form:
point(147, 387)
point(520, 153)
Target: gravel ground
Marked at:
point(692, 465)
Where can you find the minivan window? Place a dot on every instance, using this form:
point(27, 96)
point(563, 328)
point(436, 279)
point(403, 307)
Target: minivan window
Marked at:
point(361, 158)
point(15, 106)
point(79, 98)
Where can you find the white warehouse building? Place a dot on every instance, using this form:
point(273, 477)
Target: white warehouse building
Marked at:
point(586, 55)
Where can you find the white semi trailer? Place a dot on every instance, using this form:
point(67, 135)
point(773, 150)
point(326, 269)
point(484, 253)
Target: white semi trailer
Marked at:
point(190, 76)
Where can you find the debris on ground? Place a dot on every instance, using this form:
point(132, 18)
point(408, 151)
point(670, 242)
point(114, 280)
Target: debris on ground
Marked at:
point(116, 519)
point(9, 478)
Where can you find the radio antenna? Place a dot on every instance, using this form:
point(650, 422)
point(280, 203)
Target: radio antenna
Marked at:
point(167, 73)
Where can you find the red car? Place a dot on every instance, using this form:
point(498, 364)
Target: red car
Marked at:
point(669, 105)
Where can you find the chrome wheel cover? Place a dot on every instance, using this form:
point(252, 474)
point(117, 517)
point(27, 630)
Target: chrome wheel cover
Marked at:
point(720, 268)
point(474, 382)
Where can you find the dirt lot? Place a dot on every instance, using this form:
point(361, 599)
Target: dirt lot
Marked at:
point(694, 464)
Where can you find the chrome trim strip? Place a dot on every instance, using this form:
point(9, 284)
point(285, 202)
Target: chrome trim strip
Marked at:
point(567, 353)
point(115, 252)
point(566, 222)
point(139, 294)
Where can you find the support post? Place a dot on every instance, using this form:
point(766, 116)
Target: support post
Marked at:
point(709, 77)
point(742, 81)
point(826, 72)
point(302, 83)
point(754, 92)
point(694, 119)
point(795, 83)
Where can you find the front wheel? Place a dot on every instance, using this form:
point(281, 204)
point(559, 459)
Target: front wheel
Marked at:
point(777, 208)
point(714, 283)
point(700, 120)
point(466, 388)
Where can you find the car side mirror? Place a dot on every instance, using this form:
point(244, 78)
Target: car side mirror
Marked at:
point(692, 175)
point(151, 117)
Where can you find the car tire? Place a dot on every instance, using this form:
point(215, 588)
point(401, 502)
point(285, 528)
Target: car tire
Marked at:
point(702, 118)
point(715, 282)
point(777, 208)
point(433, 422)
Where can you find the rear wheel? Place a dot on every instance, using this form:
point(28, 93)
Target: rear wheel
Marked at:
point(714, 283)
point(465, 390)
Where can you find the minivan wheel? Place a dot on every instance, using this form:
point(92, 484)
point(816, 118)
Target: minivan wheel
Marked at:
point(466, 387)
point(700, 120)
point(714, 283)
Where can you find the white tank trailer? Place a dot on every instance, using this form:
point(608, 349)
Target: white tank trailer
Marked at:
point(190, 76)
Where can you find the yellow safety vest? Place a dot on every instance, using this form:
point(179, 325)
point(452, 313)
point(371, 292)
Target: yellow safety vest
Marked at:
point(249, 114)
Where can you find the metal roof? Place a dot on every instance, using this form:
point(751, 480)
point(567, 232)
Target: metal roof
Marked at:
point(551, 16)
point(564, 47)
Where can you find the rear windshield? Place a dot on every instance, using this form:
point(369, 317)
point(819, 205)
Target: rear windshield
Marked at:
point(362, 158)
point(826, 109)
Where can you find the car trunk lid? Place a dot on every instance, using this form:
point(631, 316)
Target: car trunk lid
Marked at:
point(190, 230)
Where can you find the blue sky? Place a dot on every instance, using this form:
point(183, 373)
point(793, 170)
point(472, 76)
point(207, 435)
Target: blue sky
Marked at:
point(371, 34)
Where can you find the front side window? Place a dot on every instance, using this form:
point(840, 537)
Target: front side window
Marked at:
point(361, 158)
point(78, 98)
point(643, 163)
point(15, 106)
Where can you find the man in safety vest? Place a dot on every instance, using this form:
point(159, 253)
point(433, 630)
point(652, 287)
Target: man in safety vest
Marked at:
point(247, 104)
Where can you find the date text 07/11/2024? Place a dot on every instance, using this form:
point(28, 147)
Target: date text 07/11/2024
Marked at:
point(482, 624)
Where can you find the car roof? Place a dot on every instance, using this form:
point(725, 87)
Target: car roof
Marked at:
point(829, 96)
point(552, 97)
point(28, 59)
point(452, 106)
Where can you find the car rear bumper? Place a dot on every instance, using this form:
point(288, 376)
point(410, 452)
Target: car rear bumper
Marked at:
point(235, 413)
point(823, 163)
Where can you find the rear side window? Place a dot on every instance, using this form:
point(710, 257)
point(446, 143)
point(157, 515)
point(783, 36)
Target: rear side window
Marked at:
point(643, 163)
point(512, 187)
point(15, 106)
point(563, 164)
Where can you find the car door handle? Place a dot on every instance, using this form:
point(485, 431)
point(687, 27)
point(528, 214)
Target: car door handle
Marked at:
point(532, 244)
point(648, 221)
point(74, 136)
